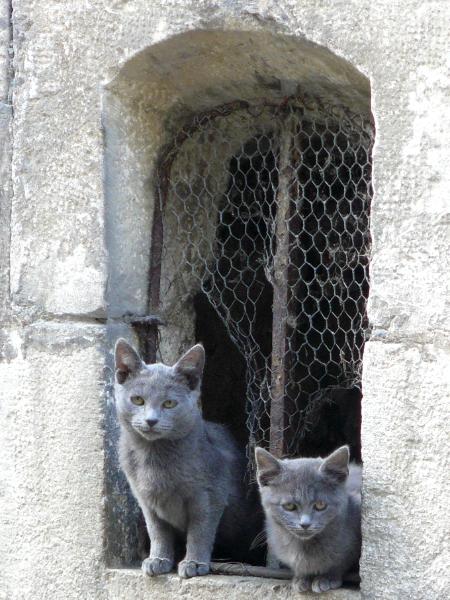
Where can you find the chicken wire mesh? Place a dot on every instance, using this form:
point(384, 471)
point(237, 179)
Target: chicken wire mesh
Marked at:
point(265, 210)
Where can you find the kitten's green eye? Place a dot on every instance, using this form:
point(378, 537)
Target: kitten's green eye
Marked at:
point(290, 506)
point(138, 400)
point(169, 404)
point(320, 505)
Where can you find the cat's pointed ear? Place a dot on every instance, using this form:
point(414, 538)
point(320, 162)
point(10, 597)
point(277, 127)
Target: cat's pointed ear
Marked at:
point(268, 467)
point(127, 361)
point(190, 366)
point(335, 465)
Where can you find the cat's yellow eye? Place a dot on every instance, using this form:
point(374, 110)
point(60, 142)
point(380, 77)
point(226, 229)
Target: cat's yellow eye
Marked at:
point(138, 400)
point(169, 404)
point(290, 506)
point(320, 505)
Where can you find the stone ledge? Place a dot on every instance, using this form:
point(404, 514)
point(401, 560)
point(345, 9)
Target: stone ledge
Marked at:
point(130, 583)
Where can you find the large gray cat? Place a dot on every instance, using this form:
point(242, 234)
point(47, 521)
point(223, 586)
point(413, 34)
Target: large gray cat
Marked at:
point(186, 473)
point(313, 514)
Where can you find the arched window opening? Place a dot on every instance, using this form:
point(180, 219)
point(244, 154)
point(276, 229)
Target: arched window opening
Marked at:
point(262, 228)
point(239, 217)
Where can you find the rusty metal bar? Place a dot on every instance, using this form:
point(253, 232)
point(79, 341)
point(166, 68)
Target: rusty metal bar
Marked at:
point(146, 328)
point(148, 332)
point(281, 294)
point(245, 570)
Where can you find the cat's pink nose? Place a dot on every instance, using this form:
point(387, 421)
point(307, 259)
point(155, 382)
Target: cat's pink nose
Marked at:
point(151, 422)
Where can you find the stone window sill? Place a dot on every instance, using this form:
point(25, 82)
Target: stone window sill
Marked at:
point(131, 584)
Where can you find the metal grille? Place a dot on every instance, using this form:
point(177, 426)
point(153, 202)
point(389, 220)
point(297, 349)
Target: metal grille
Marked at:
point(265, 209)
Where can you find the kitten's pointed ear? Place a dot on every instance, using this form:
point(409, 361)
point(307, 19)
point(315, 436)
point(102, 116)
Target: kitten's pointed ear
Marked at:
point(127, 361)
point(268, 467)
point(190, 366)
point(335, 465)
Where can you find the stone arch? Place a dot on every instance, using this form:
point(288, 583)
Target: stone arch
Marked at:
point(149, 99)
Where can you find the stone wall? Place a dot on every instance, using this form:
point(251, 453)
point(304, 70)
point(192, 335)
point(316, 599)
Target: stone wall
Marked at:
point(96, 87)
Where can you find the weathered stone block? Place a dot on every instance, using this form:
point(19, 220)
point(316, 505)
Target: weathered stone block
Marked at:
point(125, 583)
point(51, 450)
point(406, 464)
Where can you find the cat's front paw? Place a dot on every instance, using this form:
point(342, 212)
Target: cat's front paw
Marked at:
point(323, 584)
point(156, 566)
point(301, 584)
point(192, 568)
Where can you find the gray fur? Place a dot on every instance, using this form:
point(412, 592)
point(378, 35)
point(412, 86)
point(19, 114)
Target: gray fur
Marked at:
point(327, 546)
point(183, 471)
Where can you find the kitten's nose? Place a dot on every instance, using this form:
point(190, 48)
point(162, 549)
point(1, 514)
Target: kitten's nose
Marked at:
point(151, 422)
point(305, 522)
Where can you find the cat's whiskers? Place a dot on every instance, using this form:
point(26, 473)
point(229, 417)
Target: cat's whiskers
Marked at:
point(259, 540)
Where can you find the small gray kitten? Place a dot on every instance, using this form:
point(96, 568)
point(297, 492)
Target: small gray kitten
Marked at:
point(313, 516)
point(186, 473)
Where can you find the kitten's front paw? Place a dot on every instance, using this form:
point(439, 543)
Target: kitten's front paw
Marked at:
point(323, 584)
point(192, 568)
point(301, 584)
point(156, 566)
